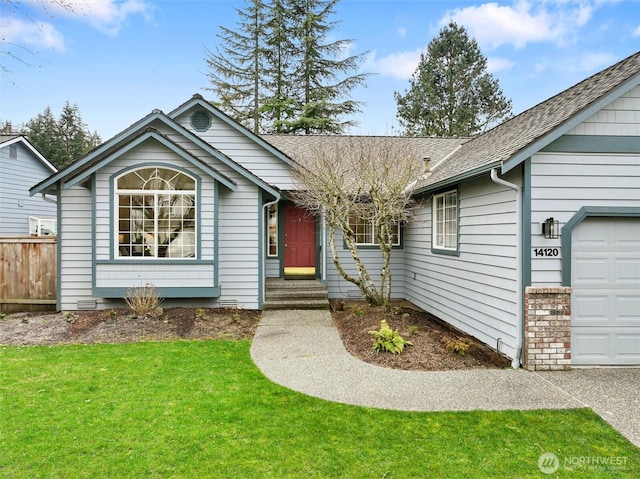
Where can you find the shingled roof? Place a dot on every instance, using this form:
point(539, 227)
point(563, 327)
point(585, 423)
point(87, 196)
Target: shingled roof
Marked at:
point(518, 138)
point(301, 147)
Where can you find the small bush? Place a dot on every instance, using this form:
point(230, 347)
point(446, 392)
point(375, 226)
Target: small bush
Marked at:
point(456, 345)
point(386, 339)
point(143, 300)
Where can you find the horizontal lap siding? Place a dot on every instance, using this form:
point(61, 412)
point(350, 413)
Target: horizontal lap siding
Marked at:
point(587, 180)
point(74, 242)
point(245, 152)
point(477, 290)
point(338, 287)
point(160, 275)
point(17, 176)
point(620, 118)
point(239, 245)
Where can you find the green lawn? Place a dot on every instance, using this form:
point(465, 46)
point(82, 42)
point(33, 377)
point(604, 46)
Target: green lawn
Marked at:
point(202, 409)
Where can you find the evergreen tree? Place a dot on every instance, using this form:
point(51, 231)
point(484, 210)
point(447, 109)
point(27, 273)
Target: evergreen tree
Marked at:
point(64, 140)
point(279, 104)
point(451, 94)
point(277, 73)
point(321, 75)
point(42, 132)
point(235, 70)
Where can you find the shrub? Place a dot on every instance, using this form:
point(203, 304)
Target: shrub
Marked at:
point(456, 345)
point(143, 300)
point(386, 339)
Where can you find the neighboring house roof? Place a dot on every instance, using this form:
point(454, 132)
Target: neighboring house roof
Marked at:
point(513, 141)
point(79, 170)
point(301, 147)
point(6, 140)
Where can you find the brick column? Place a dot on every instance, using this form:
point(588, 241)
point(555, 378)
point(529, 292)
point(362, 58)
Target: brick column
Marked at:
point(547, 328)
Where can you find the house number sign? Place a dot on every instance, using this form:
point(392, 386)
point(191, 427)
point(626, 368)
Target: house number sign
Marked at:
point(546, 252)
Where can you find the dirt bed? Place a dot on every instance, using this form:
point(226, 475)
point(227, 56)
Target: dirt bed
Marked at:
point(428, 335)
point(121, 326)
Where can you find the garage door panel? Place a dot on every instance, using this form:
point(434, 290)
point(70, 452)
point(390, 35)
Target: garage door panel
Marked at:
point(591, 271)
point(591, 308)
point(605, 346)
point(605, 270)
point(627, 309)
point(627, 272)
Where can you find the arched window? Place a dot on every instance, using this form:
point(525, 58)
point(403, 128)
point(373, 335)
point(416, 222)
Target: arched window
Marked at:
point(156, 213)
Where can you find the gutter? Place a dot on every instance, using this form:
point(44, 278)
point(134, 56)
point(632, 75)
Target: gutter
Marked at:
point(48, 200)
point(516, 362)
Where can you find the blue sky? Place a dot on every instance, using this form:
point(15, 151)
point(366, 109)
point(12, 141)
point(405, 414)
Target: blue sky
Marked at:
point(118, 60)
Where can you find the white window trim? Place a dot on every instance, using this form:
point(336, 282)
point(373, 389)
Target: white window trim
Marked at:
point(156, 194)
point(438, 225)
point(269, 254)
point(374, 237)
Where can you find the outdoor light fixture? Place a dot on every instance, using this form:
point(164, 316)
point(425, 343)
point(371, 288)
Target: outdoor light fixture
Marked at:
point(550, 228)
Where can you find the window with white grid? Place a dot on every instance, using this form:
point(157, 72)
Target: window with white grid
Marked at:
point(156, 214)
point(445, 221)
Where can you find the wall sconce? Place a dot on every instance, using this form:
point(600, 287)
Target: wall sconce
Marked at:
point(551, 228)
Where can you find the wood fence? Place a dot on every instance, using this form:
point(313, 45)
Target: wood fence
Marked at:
point(27, 273)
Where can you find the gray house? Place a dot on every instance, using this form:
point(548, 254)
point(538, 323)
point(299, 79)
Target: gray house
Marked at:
point(528, 237)
point(22, 165)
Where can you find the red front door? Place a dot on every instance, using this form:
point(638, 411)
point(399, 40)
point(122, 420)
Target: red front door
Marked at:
point(299, 238)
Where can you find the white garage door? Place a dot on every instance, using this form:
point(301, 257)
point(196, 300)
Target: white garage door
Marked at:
point(605, 306)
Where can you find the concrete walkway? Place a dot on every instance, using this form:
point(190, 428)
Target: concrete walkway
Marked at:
point(302, 350)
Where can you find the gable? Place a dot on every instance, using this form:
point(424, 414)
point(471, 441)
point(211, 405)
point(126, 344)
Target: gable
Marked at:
point(247, 149)
point(164, 130)
point(512, 142)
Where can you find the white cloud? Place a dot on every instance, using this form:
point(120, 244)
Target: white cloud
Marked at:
point(402, 32)
point(399, 65)
point(636, 32)
point(496, 64)
point(585, 63)
point(30, 33)
point(524, 22)
point(108, 16)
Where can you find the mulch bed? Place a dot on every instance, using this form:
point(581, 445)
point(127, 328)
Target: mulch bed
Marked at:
point(428, 335)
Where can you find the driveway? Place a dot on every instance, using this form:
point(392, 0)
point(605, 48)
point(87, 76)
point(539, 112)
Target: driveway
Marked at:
point(613, 393)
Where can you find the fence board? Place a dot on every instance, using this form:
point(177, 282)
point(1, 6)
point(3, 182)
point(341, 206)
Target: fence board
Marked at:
point(27, 273)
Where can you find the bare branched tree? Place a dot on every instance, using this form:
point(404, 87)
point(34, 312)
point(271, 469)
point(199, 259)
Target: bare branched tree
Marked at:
point(368, 178)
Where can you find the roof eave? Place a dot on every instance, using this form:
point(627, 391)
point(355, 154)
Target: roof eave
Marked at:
point(537, 145)
point(453, 180)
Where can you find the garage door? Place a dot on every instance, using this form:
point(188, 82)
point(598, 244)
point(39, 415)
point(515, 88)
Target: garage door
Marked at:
point(605, 276)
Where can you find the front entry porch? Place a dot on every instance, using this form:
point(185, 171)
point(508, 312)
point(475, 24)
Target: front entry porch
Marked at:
point(295, 294)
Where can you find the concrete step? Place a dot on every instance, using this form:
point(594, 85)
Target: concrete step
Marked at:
point(296, 304)
point(295, 294)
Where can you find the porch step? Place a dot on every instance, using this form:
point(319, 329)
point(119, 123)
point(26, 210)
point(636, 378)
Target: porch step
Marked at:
point(295, 294)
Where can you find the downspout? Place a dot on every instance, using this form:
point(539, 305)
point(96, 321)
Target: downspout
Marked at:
point(264, 254)
point(515, 363)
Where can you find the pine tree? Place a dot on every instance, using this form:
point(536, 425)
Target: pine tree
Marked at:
point(235, 70)
point(42, 133)
point(277, 73)
point(321, 75)
point(64, 140)
point(450, 93)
